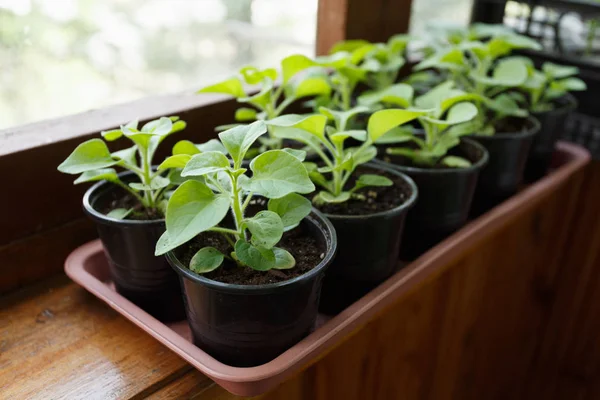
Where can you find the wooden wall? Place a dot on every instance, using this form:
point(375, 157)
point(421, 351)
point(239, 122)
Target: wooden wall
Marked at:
point(488, 326)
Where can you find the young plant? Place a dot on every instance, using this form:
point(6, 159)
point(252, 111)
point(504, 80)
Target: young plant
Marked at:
point(441, 108)
point(217, 184)
point(382, 61)
point(339, 163)
point(95, 162)
point(544, 87)
point(478, 69)
point(272, 99)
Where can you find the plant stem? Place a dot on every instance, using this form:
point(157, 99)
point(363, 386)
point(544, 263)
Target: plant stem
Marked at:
point(133, 192)
point(147, 177)
point(224, 230)
point(238, 213)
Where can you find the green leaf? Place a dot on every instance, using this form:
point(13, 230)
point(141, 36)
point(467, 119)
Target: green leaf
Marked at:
point(193, 208)
point(262, 98)
point(435, 96)
point(330, 198)
point(292, 209)
point(159, 127)
point(266, 228)
point(185, 147)
point(253, 75)
point(372, 180)
point(298, 135)
point(245, 114)
point(348, 45)
point(178, 161)
point(119, 213)
point(314, 124)
point(505, 104)
point(238, 140)
point(340, 137)
point(205, 260)
point(299, 154)
point(231, 86)
point(277, 173)
point(512, 72)
point(205, 163)
point(461, 112)
point(397, 135)
point(158, 182)
point(573, 84)
point(293, 64)
point(257, 258)
point(341, 118)
point(384, 120)
point(556, 71)
point(503, 45)
point(456, 162)
point(363, 156)
point(112, 134)
point(399, 94)
point(212, 145)
point(312, 86)
point(283, 259)
point(126, 155)
point(102, 174)
point(89, 155)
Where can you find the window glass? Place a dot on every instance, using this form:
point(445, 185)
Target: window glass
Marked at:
point(59, 57)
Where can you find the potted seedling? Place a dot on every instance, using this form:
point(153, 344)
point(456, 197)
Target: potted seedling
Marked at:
point(381, 61)
point(272, 99)
point(367, 203)
point(546, 94)
point(251, 252)
point(444, 166)
point(128, 209)
point(503, 127)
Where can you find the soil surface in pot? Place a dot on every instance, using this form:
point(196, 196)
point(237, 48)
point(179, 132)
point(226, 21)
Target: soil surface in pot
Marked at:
point(120, 199)
point(300, 242)
point(470, 153)
point(377, 198)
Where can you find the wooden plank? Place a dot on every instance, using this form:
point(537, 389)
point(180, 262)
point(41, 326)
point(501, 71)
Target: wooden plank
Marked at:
point(190, 385)
point(48, 199)
point(468, 333)
point(568, 360)
point(58, 341)
point(373, 20)
point(42, 255)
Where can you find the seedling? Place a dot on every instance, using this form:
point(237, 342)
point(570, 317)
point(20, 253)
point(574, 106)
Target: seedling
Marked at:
point(217, 184)
point(272, 100)
point(382, 61)
point(95, 162)
point(476, 68)
point(441, 108)
point(544, 87)
point(339, 163)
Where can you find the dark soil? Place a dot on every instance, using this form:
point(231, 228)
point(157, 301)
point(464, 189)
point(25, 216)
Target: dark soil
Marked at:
point(462, 150)
point(377, 198)
point(305, 248)
point(119, 198)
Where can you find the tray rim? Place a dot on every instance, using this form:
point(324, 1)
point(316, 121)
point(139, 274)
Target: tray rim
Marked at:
point(253, 381)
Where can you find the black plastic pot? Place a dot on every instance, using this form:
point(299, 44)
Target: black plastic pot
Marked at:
point(144, 279)
point(246, 325)
point(444, 201)
point(503, 174)
point(368, 249)
point(552, 127)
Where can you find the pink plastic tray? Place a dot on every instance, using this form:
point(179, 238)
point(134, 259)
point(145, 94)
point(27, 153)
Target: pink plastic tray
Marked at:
point(87, 266)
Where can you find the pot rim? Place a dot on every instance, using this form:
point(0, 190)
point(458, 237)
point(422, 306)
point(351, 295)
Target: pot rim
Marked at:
point(446, 171)
point(103, 218)
point(537, 125)
point(408, 203)
point(324, 226)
